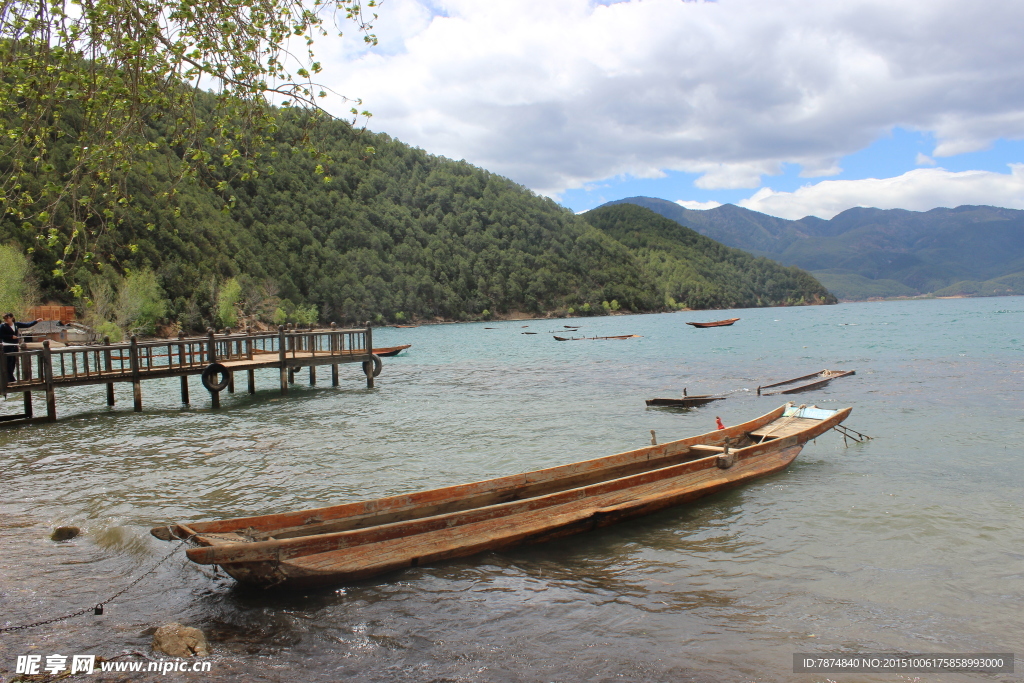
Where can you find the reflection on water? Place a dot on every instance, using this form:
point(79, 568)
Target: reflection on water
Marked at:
point(910, 541)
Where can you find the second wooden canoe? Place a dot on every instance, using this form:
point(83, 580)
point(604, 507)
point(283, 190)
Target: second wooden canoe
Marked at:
point(818, 380)
point(391, 350)
point(716, 323)
point(685, 402)
point(618, 336)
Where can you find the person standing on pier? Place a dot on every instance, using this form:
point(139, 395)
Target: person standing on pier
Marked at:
point(9, 337)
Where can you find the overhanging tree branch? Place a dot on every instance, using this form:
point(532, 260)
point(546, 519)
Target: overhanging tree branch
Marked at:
point(79, 79)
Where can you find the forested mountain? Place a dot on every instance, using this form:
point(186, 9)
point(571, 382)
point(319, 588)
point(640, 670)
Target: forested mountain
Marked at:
point(699, 271)
point(396, 234)
point(863, 252)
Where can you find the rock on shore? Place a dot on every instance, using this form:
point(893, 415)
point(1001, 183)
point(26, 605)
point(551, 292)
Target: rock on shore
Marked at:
point(180, 641)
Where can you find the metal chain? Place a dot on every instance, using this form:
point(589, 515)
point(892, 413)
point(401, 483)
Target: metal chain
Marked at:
point(99, 605)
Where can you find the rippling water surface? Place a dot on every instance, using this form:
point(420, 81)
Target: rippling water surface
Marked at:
point(913, 541)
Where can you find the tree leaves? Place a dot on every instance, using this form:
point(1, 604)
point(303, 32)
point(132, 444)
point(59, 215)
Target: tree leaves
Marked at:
point(99, 71)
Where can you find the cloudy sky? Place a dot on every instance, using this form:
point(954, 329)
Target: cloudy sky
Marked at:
point(790, 107)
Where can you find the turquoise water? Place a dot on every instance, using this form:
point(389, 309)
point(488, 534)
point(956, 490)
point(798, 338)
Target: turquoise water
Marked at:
point(910, 542)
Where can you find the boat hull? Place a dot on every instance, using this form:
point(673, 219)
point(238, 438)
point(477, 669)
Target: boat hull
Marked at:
point(391, 350)
point(687, 402)
point(356, 541)
point(346, 565)
point(820, 379)
point(716, 323)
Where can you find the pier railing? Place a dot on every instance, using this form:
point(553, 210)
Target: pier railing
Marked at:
point(46, 368)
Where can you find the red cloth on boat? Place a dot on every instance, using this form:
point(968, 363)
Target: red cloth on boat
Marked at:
point(719, 421)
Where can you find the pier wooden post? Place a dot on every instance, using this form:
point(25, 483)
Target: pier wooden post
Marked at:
point(312, 375)
point(108, 365)
point(3, 371)
point(237, 346)
point(47, 370)
point(26, 374)
point(334, 352)
point(181, 363)
point(291, 347)
point(368, 367)
point(283, 357)
point(248, 354)
point(211, 353)
point(133, 356)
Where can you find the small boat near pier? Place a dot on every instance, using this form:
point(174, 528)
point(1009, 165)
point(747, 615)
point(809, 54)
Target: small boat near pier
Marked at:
point(391, 350)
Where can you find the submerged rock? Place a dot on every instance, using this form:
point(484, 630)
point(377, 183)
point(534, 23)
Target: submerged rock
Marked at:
point(65, 533)
point(180, 641)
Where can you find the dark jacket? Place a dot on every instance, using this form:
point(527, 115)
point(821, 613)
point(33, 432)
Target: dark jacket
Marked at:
point(9, 332)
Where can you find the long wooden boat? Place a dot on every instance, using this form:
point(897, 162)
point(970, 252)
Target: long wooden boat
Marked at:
point(684, 402)
point(716, 323)
point(619, 336)
point(391, 350)
point(383, 351)
point(820, 379)
point(357, 540)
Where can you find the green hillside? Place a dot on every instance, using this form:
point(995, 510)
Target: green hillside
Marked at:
point(395, 235)
point(1000, 286)
point(851, 286)
point(699, 272)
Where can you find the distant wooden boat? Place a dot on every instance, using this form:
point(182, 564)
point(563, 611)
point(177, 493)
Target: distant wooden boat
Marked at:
point(820, 379)
point(391, 350)
point(684, 402)
point(528, 333)
point(404, 326)
point(621, 336)
point(717, 323)
point(357, 540)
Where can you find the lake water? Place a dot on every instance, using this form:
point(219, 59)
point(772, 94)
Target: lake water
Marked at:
point(913, 541)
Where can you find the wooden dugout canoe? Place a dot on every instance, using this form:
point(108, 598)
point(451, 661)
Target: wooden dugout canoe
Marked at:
point(819, 379)
point(391, 350)
point(618, 336)
point(716, 323)
point(354, 541)
point(684, 402)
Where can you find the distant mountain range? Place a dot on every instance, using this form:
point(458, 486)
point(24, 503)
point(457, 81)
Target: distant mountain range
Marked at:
point(864, 253)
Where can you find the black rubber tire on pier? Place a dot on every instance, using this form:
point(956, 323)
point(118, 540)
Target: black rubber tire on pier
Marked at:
point(377, 364)
point(216, 369)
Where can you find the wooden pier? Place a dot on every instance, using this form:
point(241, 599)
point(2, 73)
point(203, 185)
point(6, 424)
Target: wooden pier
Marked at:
point(216, 357)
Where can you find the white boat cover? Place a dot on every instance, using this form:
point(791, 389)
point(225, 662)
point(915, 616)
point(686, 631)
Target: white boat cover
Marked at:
point(810, 412)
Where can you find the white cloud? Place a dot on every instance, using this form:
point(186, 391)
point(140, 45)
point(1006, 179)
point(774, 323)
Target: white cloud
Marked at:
point(918, 190)
point(559, 94)
point(697, 206)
